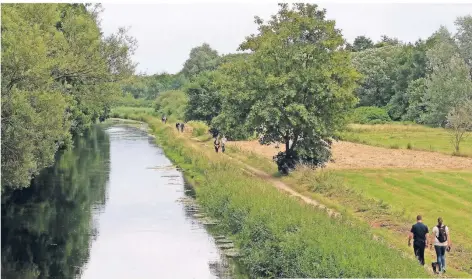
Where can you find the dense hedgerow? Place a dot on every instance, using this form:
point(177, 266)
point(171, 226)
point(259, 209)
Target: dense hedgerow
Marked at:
point(370, 115)
point(277, 235)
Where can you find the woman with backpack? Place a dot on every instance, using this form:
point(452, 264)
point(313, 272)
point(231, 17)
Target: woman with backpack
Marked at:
point(442, 243)
point(223, 143)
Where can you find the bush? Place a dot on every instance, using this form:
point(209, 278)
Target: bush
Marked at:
point(199, 128)
point(370, 115)
point(286, 164)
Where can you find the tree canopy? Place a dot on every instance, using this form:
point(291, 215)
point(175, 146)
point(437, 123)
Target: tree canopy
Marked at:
point(449, 82)
point(59, 75)
point(204, 97)
point(202, 58)
point(296, 85)
point(362, 43)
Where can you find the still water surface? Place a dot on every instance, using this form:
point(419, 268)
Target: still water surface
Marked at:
point(106, 209)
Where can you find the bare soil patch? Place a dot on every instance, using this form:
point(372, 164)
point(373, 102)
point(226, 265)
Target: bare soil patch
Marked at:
point(348, 155)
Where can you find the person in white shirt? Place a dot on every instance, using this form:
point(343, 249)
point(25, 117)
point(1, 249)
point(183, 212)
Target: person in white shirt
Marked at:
point(441, 242)
point(223, 143)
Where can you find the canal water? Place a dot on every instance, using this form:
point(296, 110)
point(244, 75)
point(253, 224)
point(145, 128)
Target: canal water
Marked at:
point(108, 208)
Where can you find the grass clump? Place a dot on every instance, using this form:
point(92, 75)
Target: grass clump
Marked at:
point(199, 128)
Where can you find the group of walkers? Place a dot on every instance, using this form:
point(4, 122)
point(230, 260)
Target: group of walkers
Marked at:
point(440, 238)
point(180, 126)
point(220, 142)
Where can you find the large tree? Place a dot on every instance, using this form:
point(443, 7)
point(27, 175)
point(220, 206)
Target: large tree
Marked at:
point(204, 97)
point(58, 76)
point(378, 67)
point(362, 43)
point(297, 84)
point(416, 105)
point(459, 122)
point(464, 39)
point(411, 65)
point(202, 58)
point(449, 82)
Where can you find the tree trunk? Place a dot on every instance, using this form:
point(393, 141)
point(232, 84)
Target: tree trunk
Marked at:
point(457, 143)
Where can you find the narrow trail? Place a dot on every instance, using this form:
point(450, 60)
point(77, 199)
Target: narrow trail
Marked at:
point(277, 183)
point(282, 186)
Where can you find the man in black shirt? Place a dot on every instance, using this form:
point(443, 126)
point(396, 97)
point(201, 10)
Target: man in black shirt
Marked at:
point(419, 233)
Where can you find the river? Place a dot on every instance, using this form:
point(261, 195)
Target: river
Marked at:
point(108, 208)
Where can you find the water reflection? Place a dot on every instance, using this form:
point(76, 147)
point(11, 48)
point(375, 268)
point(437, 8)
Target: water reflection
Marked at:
point(107, 209)
point(47, 228)
point(144, 232)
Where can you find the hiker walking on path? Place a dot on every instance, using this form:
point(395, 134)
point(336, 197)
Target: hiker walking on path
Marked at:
point(419, 233)
point(216, 143)
point(182, 127)
point(223, 143)
point(442, 243)
point(177, 126)
point(164, 119)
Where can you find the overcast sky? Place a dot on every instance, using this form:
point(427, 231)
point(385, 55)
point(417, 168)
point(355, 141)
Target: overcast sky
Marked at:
point(167, 32)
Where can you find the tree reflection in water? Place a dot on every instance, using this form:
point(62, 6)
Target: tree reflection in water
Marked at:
point(47, 228)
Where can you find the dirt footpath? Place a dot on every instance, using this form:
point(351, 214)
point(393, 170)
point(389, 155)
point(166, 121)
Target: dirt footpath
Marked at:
point(349, 155)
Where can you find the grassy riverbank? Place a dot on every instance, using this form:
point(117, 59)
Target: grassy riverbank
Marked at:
point(278, 236)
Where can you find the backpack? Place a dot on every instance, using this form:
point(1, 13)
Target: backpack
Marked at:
point(442, 235)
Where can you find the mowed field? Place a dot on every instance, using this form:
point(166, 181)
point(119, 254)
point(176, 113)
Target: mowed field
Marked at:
point(348, 155)
point(406, 136)
point(388, 187)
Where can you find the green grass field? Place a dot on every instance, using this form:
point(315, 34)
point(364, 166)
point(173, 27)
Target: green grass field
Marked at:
point(406, 136)
point(430, 193)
